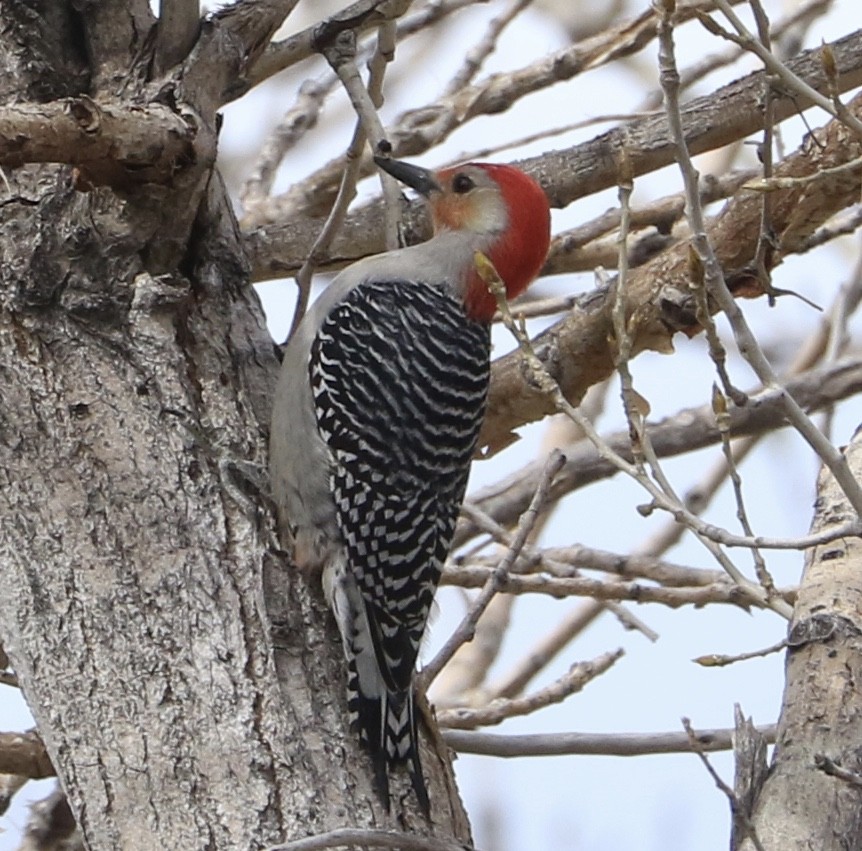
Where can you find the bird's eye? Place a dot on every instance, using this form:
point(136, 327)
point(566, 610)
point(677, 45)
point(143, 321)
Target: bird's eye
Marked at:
point(462, 183)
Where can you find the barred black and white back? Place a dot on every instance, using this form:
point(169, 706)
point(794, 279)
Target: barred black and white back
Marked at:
point(399, 377)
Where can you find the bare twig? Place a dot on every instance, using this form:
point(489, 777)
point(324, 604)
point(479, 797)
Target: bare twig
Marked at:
point(547, 649)
point(301, 118)
point(717, 660)
point(532, 559)
point(563, 561)
point(599, 744)
point(497, 578)
point(714, 277)
point(484, 48)
point(498, 710)
point(778, 68)
point(763, 261)
point(365, 102)
point(357, 18)
point(773, 184)
point(745, 594)
point(719, 406)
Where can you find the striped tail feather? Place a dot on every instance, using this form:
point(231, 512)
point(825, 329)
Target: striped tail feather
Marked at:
point(386, 723)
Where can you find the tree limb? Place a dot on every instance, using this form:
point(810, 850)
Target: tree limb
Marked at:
point(112, 143)
point(600, 744)
point(359, 17)
point(25, 754)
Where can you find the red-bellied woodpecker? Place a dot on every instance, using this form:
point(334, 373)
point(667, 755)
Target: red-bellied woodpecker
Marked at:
point(375, 421)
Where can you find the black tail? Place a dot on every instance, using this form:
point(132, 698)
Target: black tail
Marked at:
point(386, 724)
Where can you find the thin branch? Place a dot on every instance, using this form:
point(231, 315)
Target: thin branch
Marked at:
point(533, 559)
point(661, 214)
point(784, 28)
point(484, 48)
point(496, 578)
point(781, 70)
point(358, 18)
point(562, 561)
point(365, 102)
point(745, 595)
point(540, 656)
point(595, 744)
point(301, 118)
point(719, 406)
point(773, 184)
point(500, 709)
point(718, 660)
point(714, 276)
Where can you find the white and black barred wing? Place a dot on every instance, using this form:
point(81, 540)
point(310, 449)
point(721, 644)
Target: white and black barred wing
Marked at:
point(399, 376)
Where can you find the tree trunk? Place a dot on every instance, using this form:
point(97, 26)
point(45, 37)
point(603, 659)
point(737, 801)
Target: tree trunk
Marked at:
point(140, 572)
point(801, 806)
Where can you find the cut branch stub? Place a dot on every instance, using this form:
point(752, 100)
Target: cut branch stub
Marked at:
point(110, 143)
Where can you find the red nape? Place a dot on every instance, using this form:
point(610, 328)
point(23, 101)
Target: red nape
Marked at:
point(520, 252)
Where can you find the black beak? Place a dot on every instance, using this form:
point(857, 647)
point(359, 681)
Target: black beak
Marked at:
point(414, 176)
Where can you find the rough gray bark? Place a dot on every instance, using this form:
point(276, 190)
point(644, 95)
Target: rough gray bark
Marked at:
point(800, 805)
point(135, 539)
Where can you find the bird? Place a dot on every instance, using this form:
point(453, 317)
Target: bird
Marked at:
point(376, 418)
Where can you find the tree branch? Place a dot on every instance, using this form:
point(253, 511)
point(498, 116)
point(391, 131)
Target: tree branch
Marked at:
point(726, 592)
point(112, 143)
point(359, 17)
point(25, 754)
point(598, 744)
point(498, 710)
